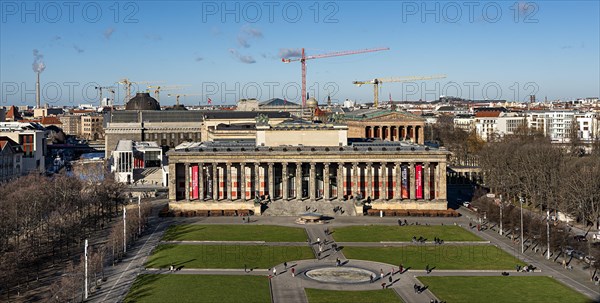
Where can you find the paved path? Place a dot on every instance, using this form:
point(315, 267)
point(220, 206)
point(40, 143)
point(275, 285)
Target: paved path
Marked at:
point(291, 289)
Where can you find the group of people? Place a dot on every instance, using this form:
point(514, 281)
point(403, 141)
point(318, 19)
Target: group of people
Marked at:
point(338, 209)
point(526, 268)
point(418, 240)
point(437, 240)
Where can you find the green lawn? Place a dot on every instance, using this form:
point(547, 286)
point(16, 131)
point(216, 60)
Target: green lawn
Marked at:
point(199, 288)
point(366, 296)
point(376, 233)
point(225, 256)
point(241, 232)
point(440, 256)
point(502, 289)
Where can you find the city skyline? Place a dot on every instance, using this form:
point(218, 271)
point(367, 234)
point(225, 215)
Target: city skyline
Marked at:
point(232, 50)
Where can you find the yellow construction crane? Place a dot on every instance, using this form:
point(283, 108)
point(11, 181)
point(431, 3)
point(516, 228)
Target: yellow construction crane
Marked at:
point(182, 95)
point(378, 81)
point(159, 88)
point(128, 83)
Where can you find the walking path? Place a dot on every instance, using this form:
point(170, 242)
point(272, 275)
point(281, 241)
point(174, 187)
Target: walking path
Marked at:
point(286, 288)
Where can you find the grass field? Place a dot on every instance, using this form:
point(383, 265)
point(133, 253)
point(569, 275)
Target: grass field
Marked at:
point(440, 256)
point(376, 233)
point(502, 289)
point(335, 296)
point(241, 232)
point(199, 288)
point(225, 256)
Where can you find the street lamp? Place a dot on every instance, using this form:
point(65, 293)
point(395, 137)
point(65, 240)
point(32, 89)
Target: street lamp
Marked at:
point(522, 240)
point(501, 207)
point(548, 233)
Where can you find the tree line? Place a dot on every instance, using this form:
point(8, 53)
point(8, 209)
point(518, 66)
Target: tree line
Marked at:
point(44, 221)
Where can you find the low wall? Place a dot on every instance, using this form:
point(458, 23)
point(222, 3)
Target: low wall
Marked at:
point(425, 205)
point(185, 206)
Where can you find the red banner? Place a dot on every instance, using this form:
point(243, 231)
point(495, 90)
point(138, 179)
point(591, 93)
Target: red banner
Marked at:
point(419, 181)
point(195, 194)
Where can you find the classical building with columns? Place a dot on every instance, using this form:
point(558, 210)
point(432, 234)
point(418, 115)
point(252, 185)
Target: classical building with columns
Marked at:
point(385, 125)
point(320, 166)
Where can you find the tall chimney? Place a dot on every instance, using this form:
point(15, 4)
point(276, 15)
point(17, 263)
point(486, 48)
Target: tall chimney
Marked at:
point(37, 92)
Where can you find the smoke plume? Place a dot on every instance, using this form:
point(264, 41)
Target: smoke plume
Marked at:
point(38, 61)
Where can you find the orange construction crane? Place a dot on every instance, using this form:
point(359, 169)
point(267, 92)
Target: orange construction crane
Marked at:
point(303, 59)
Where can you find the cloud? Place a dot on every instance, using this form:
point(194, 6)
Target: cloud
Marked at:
point(242, 58)
point(153, 37)
point(290, 52)
point(252, 32)
point(198, 59)
point(243, 42)
point(56, 38)
point(246, 34)
point(108, 32)
point(566, 47)
point(78, 49)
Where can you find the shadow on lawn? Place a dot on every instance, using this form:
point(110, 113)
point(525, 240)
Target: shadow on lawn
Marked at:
point(142, 287)
point(179, 232)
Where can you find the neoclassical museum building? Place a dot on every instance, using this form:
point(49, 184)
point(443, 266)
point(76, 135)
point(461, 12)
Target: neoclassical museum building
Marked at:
point(298, 160)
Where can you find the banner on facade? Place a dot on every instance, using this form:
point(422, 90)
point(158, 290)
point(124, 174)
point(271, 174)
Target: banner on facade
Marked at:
point(404, 182)
point(419, 181)
point(194, 186)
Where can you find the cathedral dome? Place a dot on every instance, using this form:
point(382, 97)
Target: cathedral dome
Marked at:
point(142, 101)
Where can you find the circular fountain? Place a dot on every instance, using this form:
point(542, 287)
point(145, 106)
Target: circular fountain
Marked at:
point(340, 275)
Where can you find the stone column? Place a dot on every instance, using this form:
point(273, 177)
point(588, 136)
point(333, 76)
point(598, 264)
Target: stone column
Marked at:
point(421, 135)
point(284, 181)
point(187, 181)
point(201, 181)
point(172, 182)
point(299, 181)
point(411, 180)
point(370, 180)
point(383, 192)
point(312, 182)
point(426, 180)
point(215, 183)
point(326, 181)
point(442, 181)
point(340, 181)
point(256, 180)
point(243, 181)
point(271, 183)
point(354, 178)
point(229, 182)
point(397, 178)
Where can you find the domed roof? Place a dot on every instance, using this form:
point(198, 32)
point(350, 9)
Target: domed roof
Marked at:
point(312, 102)
point(142, 101)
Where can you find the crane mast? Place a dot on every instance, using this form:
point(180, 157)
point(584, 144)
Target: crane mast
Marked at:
point(303, 59)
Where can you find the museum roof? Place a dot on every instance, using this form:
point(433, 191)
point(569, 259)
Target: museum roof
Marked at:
point(276, 102)
point(249, 147)
point(368, 113)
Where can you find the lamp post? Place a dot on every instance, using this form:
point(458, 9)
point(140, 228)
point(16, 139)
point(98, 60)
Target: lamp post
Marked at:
point(501, 207)
point(124, 229)
point(85, 283)
point(139, 215)
point(548, 234)
point(522, 240)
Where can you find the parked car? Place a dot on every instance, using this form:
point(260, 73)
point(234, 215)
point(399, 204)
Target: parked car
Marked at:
point(578, 254)
point(591, 260)
point(580, 238)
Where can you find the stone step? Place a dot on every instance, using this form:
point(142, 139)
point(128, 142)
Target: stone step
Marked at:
point(295, 208)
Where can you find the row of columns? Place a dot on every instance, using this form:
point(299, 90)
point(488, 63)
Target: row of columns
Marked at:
point(439, 181)
point(395, 133)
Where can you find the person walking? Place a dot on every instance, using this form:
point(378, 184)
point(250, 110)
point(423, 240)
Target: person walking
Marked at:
point(285, 265)
point(293, 272)
point(318, 240)
point(381, 274)
point(274, 272)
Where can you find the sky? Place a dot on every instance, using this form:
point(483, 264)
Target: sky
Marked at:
point(226, 51)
